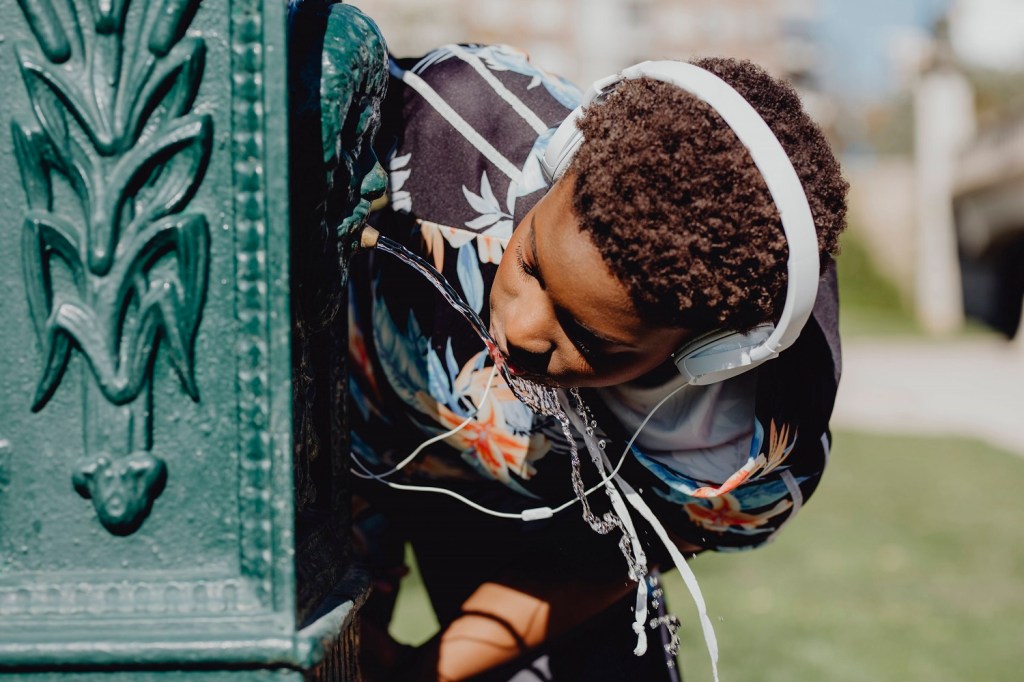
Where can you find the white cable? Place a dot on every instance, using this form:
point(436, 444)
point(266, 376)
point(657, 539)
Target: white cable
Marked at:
point(608, 481)
point(430, 441)
point(622, 458)
point(526, 515)
point(626, 520)
point(532, 514)
point(684, 570)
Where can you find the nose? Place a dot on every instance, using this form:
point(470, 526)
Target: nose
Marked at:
point(528, 335)
point(374, 182)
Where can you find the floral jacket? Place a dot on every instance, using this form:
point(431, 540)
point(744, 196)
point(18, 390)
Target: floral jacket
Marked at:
point(464, 128)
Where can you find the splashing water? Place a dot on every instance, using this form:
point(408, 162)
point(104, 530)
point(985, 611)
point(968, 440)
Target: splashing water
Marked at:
point(540, 399)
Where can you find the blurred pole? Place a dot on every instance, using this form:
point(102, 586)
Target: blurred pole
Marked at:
point(607, 43)
point(943, 124)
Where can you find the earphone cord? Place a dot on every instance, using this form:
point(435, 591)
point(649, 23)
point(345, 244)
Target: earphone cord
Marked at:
point(369, 475)
point(526, 515)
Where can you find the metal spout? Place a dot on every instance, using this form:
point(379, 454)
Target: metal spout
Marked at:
point(368, 237)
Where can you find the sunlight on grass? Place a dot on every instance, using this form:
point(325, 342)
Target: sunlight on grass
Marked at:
point(908, 564)
point(414, 622)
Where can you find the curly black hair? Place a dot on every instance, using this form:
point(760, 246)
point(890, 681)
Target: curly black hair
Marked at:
point(679, 211)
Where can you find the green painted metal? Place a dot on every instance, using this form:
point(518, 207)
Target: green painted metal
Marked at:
point(173, 491)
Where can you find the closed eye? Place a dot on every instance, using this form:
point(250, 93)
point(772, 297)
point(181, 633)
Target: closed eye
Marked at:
point(525, 269)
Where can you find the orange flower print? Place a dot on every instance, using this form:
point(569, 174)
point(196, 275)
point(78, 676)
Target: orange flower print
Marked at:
point(725, 514)
point(489, 247)
point(487, 437)
point(756, 467)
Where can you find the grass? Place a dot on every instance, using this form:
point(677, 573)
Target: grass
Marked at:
point(870, 304)
point(907, 565)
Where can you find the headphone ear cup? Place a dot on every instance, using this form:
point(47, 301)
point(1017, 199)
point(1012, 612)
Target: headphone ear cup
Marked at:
point(720, 354)
point(564, 142)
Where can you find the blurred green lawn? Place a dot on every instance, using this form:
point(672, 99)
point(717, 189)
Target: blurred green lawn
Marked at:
point(870, 305)
point(907, 565)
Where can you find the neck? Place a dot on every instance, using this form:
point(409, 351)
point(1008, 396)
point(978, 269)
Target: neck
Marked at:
point(657, 376)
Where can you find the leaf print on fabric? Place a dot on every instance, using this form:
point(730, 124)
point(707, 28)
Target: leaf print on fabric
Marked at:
point(470, 278)
point(493, 442)
point(487, 441)
point(507, 58)
point(493, 220)
point(451, 386)
point(489, 248)
point(401, 354)
point(756, 467)
point(439, 384)
point(724, 513)
point(398, 172)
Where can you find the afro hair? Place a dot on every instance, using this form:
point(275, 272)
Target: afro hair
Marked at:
point(679, 211)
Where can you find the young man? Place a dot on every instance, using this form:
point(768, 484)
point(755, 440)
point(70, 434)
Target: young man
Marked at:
point(660, 230)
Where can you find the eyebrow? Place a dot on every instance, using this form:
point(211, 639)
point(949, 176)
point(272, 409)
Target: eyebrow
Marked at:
point(561, 312)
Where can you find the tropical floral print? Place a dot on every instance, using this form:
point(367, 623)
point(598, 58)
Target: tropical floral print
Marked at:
point(493, 219)
point(489, 248)
point(398, 172)
point(498, 440)
point(725, 513)
point(756, 467)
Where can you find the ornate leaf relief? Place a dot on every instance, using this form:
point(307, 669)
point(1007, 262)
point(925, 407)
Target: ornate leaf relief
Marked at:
point(111, 91)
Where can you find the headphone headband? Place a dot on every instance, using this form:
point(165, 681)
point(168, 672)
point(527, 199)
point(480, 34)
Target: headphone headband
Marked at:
point(784, 185)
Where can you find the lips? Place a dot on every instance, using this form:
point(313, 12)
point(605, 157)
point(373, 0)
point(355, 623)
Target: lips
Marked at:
point(498, 351)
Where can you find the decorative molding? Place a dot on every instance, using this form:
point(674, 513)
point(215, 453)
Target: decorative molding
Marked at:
point(256, 460)
point(260, 545)
point(112, 103)
point(129, 597)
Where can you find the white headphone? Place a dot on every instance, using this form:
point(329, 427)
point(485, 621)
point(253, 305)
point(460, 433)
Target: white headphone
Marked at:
point(721, 354)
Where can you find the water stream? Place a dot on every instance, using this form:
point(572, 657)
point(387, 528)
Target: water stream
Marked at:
point(543, 400)
point(540, 399)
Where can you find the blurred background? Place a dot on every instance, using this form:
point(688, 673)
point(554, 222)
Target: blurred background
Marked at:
point(909, 562)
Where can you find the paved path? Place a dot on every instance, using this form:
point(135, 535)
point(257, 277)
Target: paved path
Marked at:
point(972, 387)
